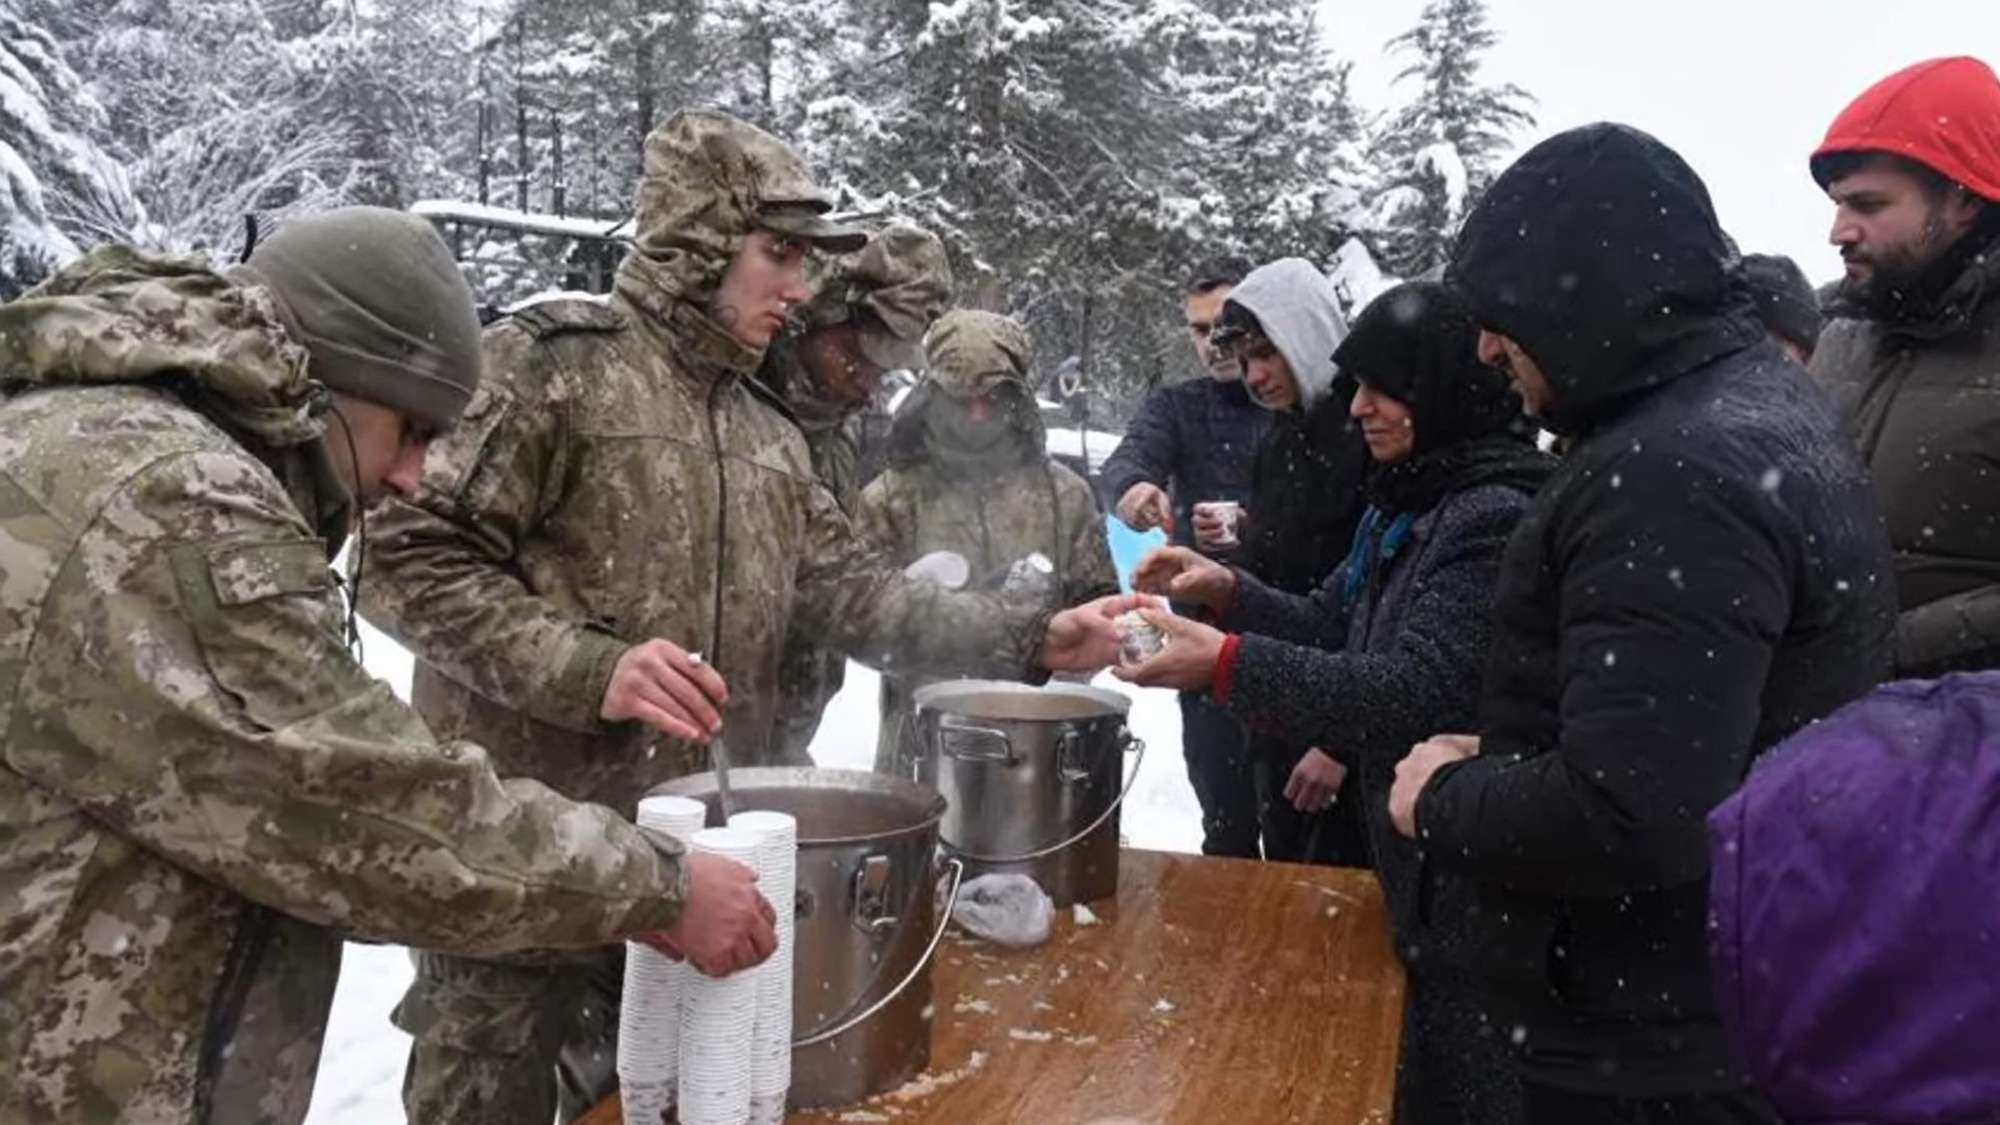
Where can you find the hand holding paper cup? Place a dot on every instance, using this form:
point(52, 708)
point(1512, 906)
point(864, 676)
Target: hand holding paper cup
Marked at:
point(1216, 523)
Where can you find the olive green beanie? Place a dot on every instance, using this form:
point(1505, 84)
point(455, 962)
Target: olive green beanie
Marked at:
point(378, 302)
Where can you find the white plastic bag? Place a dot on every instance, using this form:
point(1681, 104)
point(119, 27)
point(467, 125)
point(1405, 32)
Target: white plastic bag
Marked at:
point(1009, 909)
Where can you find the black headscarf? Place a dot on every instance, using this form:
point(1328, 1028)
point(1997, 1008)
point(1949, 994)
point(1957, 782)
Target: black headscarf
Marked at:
point(1417, 344)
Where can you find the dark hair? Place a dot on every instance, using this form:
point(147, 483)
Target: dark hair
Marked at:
point(1840, 165)
point(1786, 303)
point(1234, 325)
point(1215, 273)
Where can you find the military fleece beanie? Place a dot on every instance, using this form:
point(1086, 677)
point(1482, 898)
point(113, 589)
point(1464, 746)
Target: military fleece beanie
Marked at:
point(377, 300)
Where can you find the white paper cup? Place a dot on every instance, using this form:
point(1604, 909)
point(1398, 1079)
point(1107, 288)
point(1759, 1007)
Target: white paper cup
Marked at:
point(1230, 513)
point(777, 877)
point(718, 1017)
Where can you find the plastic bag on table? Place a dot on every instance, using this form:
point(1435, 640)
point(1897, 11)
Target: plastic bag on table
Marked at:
point(1009, 909)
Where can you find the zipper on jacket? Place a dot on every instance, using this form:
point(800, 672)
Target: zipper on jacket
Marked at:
point(715, 390)
point(225, 1009)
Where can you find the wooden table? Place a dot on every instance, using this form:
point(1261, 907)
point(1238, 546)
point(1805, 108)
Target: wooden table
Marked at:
point(1210, 992)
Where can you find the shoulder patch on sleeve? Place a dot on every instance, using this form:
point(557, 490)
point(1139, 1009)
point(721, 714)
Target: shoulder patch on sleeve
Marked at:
point(244, 573)
point(554, 317)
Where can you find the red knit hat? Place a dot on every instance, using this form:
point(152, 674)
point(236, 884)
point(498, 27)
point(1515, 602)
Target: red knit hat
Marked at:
point(1941, 113)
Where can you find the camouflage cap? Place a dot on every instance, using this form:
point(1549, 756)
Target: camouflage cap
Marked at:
point(813, 226)
point(892, 290)
point(709, 179)
point(970, 352)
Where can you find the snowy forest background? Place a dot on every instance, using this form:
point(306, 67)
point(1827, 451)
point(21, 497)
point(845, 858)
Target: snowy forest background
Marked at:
point(1077, 156)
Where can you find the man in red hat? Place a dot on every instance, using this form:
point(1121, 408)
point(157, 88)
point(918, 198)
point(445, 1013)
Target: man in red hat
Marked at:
point(1912, 351)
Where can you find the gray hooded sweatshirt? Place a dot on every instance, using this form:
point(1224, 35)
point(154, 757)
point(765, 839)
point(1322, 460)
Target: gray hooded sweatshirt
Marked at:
point(1300, 313)
point(1306, 486)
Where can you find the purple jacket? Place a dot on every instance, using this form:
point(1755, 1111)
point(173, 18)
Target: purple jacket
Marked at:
point(1856, 911)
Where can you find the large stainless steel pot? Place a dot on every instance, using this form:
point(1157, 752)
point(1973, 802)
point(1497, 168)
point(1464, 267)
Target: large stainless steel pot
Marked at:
point(1034, 777)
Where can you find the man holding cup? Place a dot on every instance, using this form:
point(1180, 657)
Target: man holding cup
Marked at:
point(1197, 440)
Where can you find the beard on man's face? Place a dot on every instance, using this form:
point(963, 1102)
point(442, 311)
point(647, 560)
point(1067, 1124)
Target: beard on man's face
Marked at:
point(1895, 273)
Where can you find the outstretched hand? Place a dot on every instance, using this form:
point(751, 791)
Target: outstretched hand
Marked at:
point(1146, 506)
point(726, 925)
point(1084, 638)
point(1187, 663)
point(1185, 576)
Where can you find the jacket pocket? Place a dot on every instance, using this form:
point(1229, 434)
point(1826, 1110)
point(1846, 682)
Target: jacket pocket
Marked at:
point(250, 605)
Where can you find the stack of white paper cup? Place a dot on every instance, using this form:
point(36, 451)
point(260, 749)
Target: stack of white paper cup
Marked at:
point(649, 1015)
point(771, 1041)
point(718, 1017)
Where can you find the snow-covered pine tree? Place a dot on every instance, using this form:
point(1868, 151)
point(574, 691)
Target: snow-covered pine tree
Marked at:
point(216, 110)
point(396, 80)
point(1272, 162)
point(1077, 157)
point(1441, 149)
point(1032, 136)
point(52, 172)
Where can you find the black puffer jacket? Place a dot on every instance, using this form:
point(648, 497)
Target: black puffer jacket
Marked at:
point(1706, 573)
point(1195, 439)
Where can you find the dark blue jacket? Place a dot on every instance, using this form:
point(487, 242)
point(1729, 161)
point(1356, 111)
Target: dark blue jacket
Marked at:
point(1197, 439)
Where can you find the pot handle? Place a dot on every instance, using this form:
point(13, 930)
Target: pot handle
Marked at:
point(1128, 743)
point(1069, 756)
point(848, 1023)
point(956, 748)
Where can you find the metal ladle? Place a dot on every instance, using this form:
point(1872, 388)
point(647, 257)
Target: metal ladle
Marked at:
point(718, 756)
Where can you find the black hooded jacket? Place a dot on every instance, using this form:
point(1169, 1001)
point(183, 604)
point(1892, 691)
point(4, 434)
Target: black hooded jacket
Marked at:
point(1705, 573)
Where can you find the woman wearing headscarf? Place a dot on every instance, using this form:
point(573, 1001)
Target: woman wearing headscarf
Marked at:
point(1388, 649)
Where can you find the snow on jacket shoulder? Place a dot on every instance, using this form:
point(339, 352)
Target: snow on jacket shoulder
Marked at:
point(1704, 574)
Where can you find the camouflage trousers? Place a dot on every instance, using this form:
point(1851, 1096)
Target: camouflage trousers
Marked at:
point(500, 1043)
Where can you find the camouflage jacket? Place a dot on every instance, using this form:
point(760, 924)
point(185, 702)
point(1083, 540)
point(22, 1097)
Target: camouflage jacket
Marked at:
point(202, 792)
point(809, 675)
point(617, 471)
point(1037, 507)
point(1043, 507)
point(993, 508)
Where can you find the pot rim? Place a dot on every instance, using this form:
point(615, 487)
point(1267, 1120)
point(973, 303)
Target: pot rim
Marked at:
point(927, 805)
point(938, 696)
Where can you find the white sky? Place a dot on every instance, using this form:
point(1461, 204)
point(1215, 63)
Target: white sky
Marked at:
point(1743, 90)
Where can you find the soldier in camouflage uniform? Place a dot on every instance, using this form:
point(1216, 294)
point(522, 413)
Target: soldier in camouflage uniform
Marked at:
point(621, 491)
point(969, 472)
point(868, 315)
point(201, 792)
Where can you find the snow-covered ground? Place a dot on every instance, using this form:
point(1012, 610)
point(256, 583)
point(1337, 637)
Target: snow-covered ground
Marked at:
point(361, 1070)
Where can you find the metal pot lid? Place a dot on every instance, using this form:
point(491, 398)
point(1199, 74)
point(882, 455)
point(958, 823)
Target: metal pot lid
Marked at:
point(1003, 701)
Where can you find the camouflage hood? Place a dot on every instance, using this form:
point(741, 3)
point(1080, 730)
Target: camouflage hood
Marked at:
point(893, 290)
point(120, 316)
point(707, 181)
point(970, 353)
